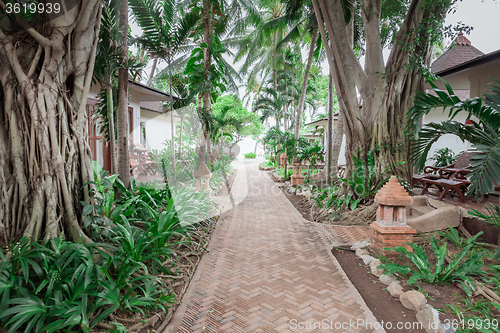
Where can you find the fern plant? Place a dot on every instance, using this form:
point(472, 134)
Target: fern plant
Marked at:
point(455, 271)
point(452, 235)
point(364, 181)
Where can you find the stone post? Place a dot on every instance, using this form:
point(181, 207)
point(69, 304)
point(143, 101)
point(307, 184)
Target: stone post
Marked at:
point(202, 172)
point(390, 228)
point(297, 178)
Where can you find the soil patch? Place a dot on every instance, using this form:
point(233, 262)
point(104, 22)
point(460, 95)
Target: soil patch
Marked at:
point(300, 203)
point(363, 215)
point(383, 306)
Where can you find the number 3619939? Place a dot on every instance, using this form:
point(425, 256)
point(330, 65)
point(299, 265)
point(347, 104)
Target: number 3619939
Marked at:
point(32, 8)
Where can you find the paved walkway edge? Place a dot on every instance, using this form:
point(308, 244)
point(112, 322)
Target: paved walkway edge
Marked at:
point(176, 320)
point(325, 237)
point(319, 228)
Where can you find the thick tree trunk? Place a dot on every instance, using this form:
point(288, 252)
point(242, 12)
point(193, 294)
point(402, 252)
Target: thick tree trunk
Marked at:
point(329, 149)
point(304, 83)
point(122, 125)
point(111, 124)
point(172, 125)
point(385, 91)
point(152, 74)
point(45, 78)
point(207, 62)
point(337, 144)
point(275, 71)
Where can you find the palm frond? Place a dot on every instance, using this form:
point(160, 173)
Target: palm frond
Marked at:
point(485, 166)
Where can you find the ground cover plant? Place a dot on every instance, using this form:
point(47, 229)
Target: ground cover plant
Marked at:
point(270, 161)
point(250, 155)
point(455, 271)
point(62, 285)
point(220, 168)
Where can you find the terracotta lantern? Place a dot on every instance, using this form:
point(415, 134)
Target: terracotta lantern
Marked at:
point(390, 228)
point(282, 159)
point(297, 178)
point(200, 173)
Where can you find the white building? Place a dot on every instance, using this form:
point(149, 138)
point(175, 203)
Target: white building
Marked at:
point(148, 122)
point(469, 72)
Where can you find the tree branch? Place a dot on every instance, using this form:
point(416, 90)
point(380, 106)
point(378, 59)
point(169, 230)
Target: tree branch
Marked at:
point(14, 60)
point(371, 20)
point(346, 103)
point(29, 29)
point(403, 30)
point(351, 69)
point(35, 60)
point(86, 14)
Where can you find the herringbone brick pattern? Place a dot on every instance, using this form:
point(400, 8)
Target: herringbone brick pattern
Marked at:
point(268, 270)
point(349, 235)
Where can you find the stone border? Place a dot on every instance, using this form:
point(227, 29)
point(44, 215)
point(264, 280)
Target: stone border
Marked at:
point(412, 300)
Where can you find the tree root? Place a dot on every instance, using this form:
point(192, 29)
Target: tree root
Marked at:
point(125, 320)
point(151, 321)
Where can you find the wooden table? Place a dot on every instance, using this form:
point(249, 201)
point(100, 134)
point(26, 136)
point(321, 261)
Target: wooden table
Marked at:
point(448, 172)
point(445, 185)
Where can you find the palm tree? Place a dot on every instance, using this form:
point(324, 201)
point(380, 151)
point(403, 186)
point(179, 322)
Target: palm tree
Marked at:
point(106, 69)
point(122, 105)
point(222, 122)
point(164, 35)
point(484, 133)
point(270, 105)
point(259, 46)
point(302, 15)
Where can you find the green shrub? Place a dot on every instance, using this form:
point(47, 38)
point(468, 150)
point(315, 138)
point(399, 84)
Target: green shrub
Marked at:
point(365, 181)
point(452, 235)
point(221, 169)
point(268, 164)
point(250, 155)
point(56, 286)
point(69, 286)
point(444, 157)
point(281, 173)
point(328, 197)
point(455, 271)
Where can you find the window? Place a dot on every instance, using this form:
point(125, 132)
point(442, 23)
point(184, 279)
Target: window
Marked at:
point(143, 133)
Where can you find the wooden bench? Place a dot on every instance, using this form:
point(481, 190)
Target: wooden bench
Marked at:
point(462, 162)
point(419, 178)
point(140, 163)
point(445, 185)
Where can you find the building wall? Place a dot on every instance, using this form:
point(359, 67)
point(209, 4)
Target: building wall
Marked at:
point(449, 140)
point(158, 129)
point(342, 159)
point(135, 103)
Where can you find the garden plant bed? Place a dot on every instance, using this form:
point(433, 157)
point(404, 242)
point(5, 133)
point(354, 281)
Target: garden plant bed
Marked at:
point(363, 215)
point(187, 261)
point(440, 296)
point(379, 301)
point(299, 203)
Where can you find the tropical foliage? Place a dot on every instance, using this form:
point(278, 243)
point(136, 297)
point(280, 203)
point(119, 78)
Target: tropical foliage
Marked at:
point(60, 285)
point(455, 271)
point(484, 133)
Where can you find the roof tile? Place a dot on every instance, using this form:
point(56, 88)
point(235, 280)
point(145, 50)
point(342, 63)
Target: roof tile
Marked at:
point(460, 52)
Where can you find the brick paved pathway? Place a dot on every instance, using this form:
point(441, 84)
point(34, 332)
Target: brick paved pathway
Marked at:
point(348, 235)
point(269, 270)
